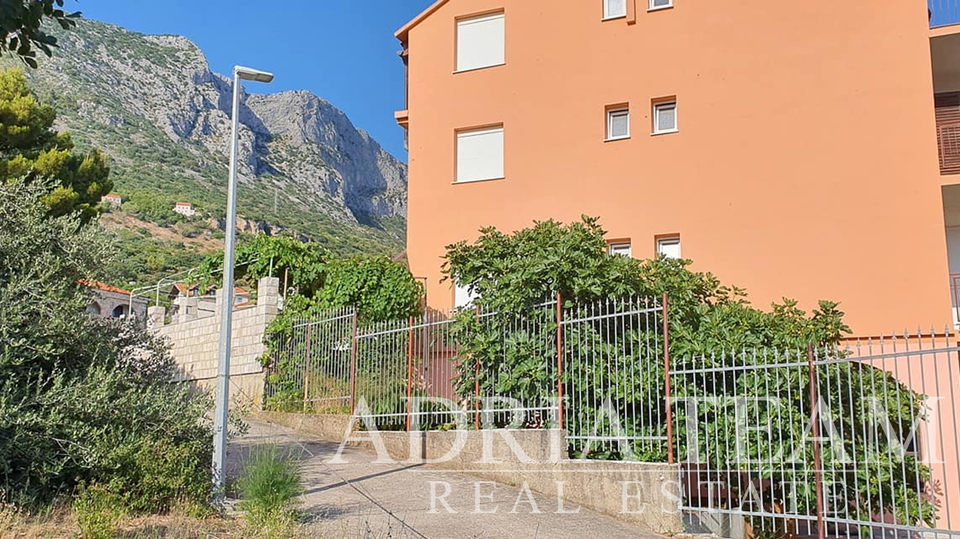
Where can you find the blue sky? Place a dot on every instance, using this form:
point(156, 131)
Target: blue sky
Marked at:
point(341, 50)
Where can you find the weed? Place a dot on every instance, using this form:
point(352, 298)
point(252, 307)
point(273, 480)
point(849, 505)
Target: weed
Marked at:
point(269, 484)
point(99, 512)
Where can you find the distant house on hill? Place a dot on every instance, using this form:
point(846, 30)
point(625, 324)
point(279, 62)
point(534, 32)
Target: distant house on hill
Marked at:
point(112, 199)
point(185, 209)
point(112, 302)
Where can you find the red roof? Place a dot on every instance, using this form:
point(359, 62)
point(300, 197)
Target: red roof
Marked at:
point(103, 286)
point(184, 204)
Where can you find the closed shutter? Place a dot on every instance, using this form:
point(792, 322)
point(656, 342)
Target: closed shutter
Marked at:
point(948, 132)
point(480, 155)
point(480, 42)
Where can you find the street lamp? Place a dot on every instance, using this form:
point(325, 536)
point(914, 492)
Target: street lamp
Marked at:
point(226, 309)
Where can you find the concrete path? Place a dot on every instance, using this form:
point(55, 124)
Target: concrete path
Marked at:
point(361, 499)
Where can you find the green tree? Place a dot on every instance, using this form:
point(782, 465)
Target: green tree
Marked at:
point(21, 25)
point(30, 148)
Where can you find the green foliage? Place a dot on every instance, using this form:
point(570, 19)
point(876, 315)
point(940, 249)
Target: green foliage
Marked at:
point(378, 288)
point(269, 485)
point(303, 264)
point(99, 512)
point(21, 27)
point(31, 149)
point(84, 400)
point(710, 325)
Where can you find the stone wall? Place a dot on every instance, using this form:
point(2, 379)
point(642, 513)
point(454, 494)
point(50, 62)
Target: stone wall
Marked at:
point(195, 342)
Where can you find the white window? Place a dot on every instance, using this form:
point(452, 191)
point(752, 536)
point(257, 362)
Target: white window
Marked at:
point(660, 4)
point(480, 155)
point(669, 247)
point(613, 9)
point(480, 42)
point(618, 124)
point(665, 117)
point(462, 296)
point(621, 249)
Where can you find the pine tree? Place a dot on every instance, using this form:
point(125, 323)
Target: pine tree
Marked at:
point(30, 148)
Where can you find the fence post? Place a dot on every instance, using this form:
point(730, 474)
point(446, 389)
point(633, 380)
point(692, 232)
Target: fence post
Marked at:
point(306, 375)
point(815, 436)
point(667, 391)
point(476, 384)
point(559, 309)
point(353, 364)
point(409, 371)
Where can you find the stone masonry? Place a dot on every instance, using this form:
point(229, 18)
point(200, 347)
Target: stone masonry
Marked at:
point(195, 339)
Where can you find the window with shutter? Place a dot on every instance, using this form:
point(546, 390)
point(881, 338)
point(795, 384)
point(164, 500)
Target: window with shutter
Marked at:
point(480, 155)
point(480, 42)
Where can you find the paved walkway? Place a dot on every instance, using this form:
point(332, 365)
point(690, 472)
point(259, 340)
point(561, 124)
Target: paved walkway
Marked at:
point(361, 499)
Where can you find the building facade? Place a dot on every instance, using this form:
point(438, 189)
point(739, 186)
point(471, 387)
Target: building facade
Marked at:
point(791, 149)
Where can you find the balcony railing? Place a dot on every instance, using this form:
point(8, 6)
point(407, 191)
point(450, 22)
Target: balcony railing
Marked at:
point(943, 12)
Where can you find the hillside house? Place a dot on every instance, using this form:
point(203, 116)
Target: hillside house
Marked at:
point(111, 200)
point(184, 208)
point(111, 302)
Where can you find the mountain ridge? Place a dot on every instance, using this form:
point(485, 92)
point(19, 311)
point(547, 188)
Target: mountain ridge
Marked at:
point(154, 106)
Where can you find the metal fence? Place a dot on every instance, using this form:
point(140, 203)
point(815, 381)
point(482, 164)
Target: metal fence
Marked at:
point(853, 440)
point(596, 370)
point(859, 440)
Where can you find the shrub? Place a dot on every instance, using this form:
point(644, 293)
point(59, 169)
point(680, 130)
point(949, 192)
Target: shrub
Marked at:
point(84, 401)
point(99, 512)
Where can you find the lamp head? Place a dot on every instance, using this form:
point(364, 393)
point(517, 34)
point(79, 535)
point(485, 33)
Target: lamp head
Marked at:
point(248, 73)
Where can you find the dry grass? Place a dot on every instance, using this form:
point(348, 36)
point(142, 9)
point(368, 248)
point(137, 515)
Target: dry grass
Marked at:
point(61, 523)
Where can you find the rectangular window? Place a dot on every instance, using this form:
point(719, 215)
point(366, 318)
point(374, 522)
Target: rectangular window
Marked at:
point(665, 117)
point(480, 42)
point(621, 248)
point(480, 155)
point(618, 124)
point(660, 4)
point(669, 247)
point(614, 9)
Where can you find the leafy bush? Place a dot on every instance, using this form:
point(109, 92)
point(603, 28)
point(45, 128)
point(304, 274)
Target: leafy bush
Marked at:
point(99, 511)
point(84, 400)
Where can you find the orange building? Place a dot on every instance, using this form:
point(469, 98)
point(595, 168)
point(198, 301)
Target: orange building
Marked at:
point(788, 147)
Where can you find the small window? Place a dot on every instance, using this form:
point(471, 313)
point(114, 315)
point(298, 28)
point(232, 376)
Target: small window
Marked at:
point(614, 9)
point(480, 155)
point(669, 247)
point(660, 4)
point(665, 117)
point(480, 42)
point(618, 124)
point(621, 248)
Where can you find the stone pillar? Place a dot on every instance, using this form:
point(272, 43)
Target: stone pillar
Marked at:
point(156, 317)
point(268, 291)
point(189, 309)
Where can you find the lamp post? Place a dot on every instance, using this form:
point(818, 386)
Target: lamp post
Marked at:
point(226, 307)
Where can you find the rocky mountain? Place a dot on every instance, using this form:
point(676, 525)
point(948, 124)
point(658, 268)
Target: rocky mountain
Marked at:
point(152, 104)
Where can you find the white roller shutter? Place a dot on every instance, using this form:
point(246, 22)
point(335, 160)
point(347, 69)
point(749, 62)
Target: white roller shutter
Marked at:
point(480, 155)
point(480, 42)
